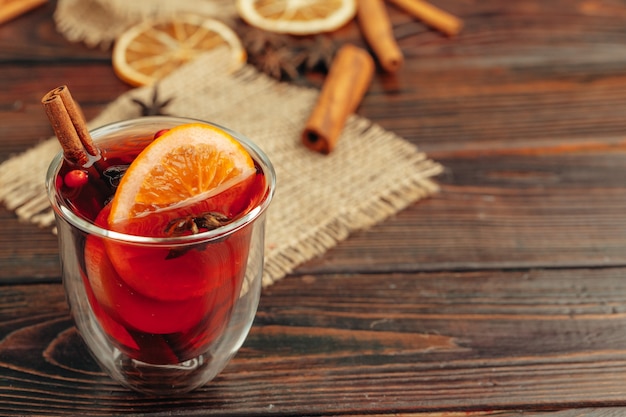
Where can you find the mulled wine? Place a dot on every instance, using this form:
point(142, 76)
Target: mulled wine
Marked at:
point(168, 302)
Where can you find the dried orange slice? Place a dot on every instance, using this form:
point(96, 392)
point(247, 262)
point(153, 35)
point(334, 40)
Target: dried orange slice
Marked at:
point(187, 164)
point(151, 50)
point(297, 17)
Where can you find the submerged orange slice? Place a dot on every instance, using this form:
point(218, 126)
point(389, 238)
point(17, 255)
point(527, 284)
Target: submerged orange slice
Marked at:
point(188, 164)
point(297, 17)
point(151, 50)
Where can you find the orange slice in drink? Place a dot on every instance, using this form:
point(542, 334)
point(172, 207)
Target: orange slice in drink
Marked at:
point(151, 50)
point(297, 17)
point(190, 170)
point(187, 164)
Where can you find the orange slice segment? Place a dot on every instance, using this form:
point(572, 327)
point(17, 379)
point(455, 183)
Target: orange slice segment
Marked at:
point(151, 50)
point(187, 164)
point(297, 17)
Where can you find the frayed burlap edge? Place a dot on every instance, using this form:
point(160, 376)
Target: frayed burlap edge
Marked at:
point(98, 22)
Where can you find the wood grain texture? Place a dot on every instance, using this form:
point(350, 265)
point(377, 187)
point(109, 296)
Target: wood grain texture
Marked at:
point(502, 211)
point(431, 341)
point(504, 295)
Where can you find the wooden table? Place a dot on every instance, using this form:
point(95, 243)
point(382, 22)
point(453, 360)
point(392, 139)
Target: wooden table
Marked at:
point(503, 295)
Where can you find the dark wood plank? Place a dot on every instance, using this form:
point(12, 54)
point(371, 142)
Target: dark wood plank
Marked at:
point(529, 72)
point(360, 344)
point(577, 412)
point(23, 122)
point(27, 253)
point(502, 211)
point(33, 38)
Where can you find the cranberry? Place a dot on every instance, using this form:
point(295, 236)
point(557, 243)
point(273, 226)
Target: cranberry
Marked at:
point(160, 132)
point(58, 182)
point(76, 178)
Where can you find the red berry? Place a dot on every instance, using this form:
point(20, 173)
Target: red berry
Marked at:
point(160, 132)
point(58, 182)
point(76, 178)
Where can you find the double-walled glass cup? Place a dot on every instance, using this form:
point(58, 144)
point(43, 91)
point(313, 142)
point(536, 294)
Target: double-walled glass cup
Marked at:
point(161, 315)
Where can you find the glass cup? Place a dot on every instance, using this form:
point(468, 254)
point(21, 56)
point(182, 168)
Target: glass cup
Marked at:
point(161, 315)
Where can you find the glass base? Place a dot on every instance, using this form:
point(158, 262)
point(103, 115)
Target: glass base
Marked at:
point(171, 379)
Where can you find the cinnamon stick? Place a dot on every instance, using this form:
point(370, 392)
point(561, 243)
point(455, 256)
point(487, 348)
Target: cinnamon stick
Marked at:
point(348, 79)
point(431, 15)
point(10, 9)
point(377, 30)
point(69, 126)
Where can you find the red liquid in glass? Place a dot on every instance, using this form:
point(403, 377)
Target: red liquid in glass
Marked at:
point(159, 305)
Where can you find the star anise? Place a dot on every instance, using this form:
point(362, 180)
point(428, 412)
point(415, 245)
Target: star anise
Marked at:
point(320, 53)
point(114, 174)
point(155, 108)
point(286, 57)
point(281, 63)
point(193, 225)
point(257, 41)
point(271, 53)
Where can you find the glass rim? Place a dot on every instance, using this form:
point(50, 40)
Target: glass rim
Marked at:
point(89, 227)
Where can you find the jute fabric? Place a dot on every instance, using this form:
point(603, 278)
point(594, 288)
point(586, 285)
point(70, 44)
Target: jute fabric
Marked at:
point(99, 22)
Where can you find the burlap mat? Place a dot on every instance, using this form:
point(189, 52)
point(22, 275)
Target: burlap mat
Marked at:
point(320, 199)
point(99, 22)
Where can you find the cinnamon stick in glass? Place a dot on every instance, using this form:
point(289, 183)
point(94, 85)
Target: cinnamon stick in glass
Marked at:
point(347, 82)
point(431, 15)
point(377, 30)
point(69, 126)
